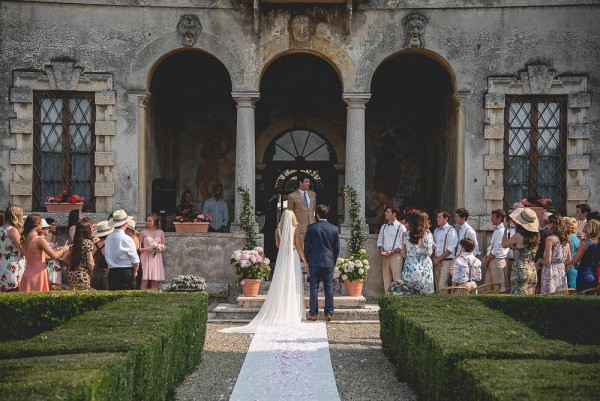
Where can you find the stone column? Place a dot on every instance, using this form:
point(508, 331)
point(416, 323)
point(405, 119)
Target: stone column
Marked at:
point(460, 99)
point(245, 163)
point(355, 150)
point(143, 99)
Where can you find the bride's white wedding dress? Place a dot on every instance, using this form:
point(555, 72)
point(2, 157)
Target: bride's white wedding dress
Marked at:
point(284, 304)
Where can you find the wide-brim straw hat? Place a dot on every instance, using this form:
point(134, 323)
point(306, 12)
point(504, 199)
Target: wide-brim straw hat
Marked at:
point(103, 228)
point(526, 218)
point(119, 218)
point(131, 223)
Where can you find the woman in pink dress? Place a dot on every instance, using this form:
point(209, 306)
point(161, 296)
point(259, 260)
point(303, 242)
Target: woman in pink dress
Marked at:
point(151, 240)
point(35, 277)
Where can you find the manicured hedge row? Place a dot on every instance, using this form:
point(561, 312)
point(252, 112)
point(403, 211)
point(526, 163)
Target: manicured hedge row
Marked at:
point(574, 319)
point(26, 314)
point(528, 379)
point(159, 337)
point(428, 335)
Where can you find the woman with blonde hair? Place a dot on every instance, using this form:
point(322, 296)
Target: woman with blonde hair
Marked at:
point(35, 246)
point(587, 257)
point(557, 250)
point(12, 262)
point(524, 242)
point(571, 225)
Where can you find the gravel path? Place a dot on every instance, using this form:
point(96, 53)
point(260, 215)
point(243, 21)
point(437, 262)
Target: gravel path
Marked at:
point(361, 370)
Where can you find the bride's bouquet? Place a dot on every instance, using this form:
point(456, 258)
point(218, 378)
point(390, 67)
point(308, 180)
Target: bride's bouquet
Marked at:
point(157, 247)
point(251, 263)
point(355, 268)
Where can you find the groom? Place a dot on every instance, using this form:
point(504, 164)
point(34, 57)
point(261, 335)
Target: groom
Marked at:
point(321, 248)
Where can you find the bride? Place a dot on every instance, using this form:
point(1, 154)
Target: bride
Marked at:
point(284, 304)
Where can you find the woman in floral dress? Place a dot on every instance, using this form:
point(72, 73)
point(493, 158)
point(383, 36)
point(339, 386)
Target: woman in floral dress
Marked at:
point(524, 242)
point(417, 273)
point(556, 252)
point(12, 262)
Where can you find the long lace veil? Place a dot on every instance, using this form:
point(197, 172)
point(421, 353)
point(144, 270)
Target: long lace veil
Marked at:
point(283, 306)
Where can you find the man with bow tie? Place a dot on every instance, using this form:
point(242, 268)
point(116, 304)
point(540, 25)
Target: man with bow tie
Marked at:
point(389, 244)
point(302, 202)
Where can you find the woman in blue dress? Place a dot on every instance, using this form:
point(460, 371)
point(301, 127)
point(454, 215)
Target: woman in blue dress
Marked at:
point(417, 273)
point(587, 257)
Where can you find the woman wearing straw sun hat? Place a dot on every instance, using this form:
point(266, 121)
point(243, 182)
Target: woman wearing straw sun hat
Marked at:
point(100, 273)
point(524, 242)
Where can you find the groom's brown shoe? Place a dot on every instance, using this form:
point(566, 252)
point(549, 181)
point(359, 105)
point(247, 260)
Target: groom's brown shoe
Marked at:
point(313, 318)
point(329, 318)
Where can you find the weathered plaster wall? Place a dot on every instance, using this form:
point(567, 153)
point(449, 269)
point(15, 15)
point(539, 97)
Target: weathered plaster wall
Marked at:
point(475, 43)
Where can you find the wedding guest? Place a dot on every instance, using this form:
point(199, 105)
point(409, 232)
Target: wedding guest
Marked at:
point(495, 260)
point(99, 279)
point(417, 273)
point(151, 238)
point(12, 260)
point(120, 253)
point(82, 258)
point(186, 204)
point(467, 268)
point(53, 265)
point(445, 241)
point(571, 225)
point(52, 229)
point(75, 217)
point(525, 241)
point(587, 258)
point(35, 276)
point(465, 230)
point(135, 235)
point(389, 243)
point(557, 251)
point(216, 208)
point(581, 211)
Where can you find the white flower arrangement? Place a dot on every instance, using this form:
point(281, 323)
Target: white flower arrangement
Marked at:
point(355, 268)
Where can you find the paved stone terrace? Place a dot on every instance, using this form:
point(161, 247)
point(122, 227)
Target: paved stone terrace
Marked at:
point(362, 372)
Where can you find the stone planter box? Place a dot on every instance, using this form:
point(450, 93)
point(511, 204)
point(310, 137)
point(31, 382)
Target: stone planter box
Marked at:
point(191, 227)
point(65, 207)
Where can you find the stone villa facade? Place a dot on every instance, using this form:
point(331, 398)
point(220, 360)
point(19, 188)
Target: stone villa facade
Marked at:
point(434, 104)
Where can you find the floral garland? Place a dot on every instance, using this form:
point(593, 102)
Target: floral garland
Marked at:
point(247, 219)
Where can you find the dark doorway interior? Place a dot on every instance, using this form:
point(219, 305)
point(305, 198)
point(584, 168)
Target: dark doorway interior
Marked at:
point(192, 120)
point(410, 143)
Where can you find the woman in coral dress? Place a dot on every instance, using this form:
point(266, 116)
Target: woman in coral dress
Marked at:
point(151, 240)
point(35, 277)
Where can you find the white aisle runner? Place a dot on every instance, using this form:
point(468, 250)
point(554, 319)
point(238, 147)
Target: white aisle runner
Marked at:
point(288, 365)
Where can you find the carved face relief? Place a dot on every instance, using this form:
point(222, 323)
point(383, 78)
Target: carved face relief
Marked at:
point(414, 30)
point(301, 29)
point(189, 29)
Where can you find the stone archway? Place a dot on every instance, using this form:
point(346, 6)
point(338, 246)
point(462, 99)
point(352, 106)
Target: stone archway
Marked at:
point(191, 126)
point(411, 137)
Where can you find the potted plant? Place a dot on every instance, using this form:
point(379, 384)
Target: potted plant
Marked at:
point(536, 203)
point(353, 270)
point(64, 203)
point(191, 221)
point(251, 264)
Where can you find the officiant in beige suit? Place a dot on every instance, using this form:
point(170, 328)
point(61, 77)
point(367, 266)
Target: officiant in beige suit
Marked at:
point(303, 202)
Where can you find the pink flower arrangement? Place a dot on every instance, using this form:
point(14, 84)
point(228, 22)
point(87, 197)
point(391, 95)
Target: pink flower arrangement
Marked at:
point(533, 201)
point(251, 263)
point(157, 247)
point(64, 197)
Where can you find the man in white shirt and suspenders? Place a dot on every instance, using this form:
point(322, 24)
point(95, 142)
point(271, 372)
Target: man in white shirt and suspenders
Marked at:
point(445, 241)
point(495, 261)
point(389, 244)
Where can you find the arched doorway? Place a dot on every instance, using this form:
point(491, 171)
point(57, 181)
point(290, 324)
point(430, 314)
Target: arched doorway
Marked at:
point(192, 123)
point(298, 93)
point(410, 137)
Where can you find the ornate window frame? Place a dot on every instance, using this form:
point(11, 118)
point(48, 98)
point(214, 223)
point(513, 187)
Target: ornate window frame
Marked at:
point(537, 80)
point(63, 76)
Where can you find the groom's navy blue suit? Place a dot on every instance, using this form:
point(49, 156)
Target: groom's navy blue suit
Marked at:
point(321, 248)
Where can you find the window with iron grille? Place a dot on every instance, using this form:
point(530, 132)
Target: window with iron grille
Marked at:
point(64, 145)
point(535, 149)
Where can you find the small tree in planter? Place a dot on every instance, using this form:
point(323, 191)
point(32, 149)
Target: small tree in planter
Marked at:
point(353, 270)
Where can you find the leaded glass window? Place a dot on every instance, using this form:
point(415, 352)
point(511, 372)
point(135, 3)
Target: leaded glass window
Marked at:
point(301, 145)
point(535, 148)
point(64, 145)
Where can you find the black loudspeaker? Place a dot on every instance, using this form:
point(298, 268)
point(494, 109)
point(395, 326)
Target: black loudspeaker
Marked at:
point(163, 196)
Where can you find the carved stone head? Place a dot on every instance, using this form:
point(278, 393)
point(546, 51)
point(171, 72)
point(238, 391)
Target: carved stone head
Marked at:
point(300, 29)
point(189, 29)
point(414, 30)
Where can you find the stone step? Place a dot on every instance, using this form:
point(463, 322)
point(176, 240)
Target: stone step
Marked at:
point(339, 302)
point(232, 312)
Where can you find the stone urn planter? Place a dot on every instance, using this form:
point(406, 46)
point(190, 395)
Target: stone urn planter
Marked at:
point(54, 207)
point(354, 288)
point(191, 227)
point(250, 286)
